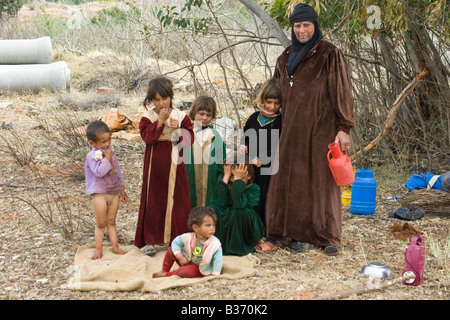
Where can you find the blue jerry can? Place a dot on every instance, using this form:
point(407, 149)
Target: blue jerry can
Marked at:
point(364, 191)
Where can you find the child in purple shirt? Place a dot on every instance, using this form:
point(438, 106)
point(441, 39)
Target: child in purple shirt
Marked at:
point(105, 183)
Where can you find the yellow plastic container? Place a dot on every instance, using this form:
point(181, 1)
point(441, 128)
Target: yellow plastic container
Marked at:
point(346, 195)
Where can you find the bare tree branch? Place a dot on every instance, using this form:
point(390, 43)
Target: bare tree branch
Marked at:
point(220, 51)
point(268, 21)
point(393, 112)
point(365, 289)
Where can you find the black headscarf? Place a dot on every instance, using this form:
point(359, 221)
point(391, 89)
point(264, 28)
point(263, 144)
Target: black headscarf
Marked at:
point(302, 12)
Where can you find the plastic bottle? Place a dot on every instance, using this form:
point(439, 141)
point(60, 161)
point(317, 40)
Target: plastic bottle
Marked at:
point(340, 166)
point(415, 260)
point(364, 191)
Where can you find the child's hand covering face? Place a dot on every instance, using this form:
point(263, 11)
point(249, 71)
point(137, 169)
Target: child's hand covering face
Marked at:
point(227, 169)
point(240, 171)
point(164, 113)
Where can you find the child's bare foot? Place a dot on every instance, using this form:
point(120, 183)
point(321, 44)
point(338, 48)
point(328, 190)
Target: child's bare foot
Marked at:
point(159, 274)
point(97, 254)
point(118, 251)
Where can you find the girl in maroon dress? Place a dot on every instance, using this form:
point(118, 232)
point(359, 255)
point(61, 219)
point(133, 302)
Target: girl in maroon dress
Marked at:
point(165, 199)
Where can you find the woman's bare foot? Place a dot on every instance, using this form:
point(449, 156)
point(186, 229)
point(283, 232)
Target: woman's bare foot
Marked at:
point(159, 274)
point(118, 251)
point(97, 254)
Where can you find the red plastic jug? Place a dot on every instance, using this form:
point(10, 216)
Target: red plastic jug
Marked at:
point(340, 166)
point(415, 260)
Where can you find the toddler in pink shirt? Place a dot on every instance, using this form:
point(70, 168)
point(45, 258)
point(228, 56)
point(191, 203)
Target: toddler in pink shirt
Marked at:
point(105, 183)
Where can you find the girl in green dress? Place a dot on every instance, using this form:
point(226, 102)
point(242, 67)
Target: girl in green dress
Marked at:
point(236, 198)
point(204, 159)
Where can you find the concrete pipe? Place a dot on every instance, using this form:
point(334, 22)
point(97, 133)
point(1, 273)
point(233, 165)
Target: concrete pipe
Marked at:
point(54, 76)
point(26, 51)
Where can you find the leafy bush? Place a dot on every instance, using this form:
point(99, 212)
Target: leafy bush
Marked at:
point(75, 2)
point(10, 7)
point(116, 15)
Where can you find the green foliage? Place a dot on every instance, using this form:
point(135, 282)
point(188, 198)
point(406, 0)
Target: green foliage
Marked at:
point(277, 11)
point(169, 16)
point(392, 18)
point(117, 15)
point(10, 7)
point(76, 2)
point(354, 17)
point(52, 26)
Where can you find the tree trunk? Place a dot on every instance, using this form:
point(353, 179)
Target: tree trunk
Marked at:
point(268, 21)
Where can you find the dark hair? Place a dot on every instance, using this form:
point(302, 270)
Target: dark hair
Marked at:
point(203, 103)
point(159, 85)
point(237, 158)
point(270, 90)
point(95, 128)
point(198, 213)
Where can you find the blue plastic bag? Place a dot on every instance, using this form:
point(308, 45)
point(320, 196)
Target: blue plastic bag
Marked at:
point(422, 180)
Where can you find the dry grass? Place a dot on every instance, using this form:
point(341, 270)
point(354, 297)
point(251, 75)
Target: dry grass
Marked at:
point(282, 275)
point(36, 258)
point(89, 101)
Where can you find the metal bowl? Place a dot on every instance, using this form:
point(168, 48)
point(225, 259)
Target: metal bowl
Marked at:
point(376, 270)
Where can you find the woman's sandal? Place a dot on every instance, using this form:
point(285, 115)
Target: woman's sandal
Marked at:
point(266, 246)
point(298, 246)
point(331, 251)
point(149, 250)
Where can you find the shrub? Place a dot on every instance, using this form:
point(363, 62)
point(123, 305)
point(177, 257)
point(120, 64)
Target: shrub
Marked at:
point(10, 7)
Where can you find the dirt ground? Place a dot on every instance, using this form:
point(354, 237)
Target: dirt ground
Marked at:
point(36, 256)
point(45, 216)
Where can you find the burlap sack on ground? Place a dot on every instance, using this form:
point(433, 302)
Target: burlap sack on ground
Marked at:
point(133, 271)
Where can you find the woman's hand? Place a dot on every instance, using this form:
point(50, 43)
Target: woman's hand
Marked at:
point(344, 140)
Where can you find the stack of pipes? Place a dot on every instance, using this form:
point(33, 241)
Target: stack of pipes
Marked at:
point(26, 65)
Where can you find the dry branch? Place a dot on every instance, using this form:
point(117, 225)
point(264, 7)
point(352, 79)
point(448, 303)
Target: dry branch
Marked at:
point(364, 289)
point(391, 116)
point(431, 201)
point(216, 53)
